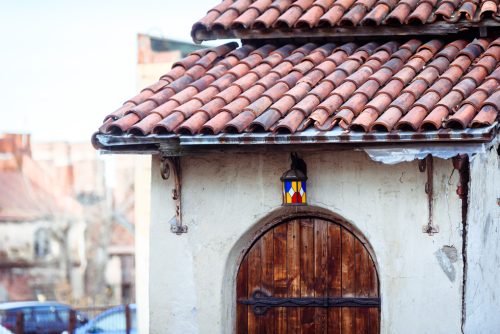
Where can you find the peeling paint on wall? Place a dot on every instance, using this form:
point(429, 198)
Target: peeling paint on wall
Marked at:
point(417, 152)
point(446, 256)
point(486, 229)
point(483, 246)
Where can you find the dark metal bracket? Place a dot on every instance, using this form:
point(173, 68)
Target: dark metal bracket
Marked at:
point(168, 165)
point(262, 301)
point(427, 165)
point(460, 163)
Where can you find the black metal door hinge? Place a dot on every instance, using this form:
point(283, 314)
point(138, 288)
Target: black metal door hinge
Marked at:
point(262, 301)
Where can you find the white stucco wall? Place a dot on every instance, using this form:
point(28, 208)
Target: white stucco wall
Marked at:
point(483, 246)
point(225, 196)
point(142, 193)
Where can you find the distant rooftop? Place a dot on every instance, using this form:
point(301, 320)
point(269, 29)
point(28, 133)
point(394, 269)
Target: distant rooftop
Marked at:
point(158, 49)
point(26, 192)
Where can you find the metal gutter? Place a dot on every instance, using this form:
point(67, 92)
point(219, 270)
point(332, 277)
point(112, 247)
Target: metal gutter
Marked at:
point(337, 135)
point(174, 144)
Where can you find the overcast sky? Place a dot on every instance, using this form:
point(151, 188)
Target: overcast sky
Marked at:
point(64, 65)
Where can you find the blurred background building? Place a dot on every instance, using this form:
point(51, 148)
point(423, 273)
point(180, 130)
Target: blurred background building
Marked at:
point(74, 225)
point(42, 247)
point(66, 223)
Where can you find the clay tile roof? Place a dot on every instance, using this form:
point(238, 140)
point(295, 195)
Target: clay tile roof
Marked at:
point(244, 18)
point(20, 200)
point(417, 86)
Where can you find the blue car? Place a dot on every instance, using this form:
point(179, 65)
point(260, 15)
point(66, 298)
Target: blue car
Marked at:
point(39, 317)
point(111, 321)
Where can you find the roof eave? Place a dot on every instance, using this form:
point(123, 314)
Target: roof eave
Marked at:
point(484, 28)
point(175, 145)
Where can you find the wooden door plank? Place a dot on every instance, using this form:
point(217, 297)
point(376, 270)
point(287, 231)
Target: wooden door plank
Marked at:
point(307, 273)
point(334, 282)
point(364, 270)
point(254, 283)
point(320, 273)
point(373, 320)
point(373, 283)
point(373, 312)
point(242, 291)
point(293, 274)
point(267, 279)
point(348, 264)
point(348, 280)
point(347, 320)
point(280, 275)
point(362, 282)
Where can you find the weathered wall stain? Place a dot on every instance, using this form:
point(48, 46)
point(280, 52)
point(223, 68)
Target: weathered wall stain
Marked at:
point(486, 229)
point(483, 246)
point(446, 256)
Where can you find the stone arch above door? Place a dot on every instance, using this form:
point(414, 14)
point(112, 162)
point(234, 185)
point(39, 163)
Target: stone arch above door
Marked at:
point(307, 274)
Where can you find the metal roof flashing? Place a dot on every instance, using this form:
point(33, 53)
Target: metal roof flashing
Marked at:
point(465, 141)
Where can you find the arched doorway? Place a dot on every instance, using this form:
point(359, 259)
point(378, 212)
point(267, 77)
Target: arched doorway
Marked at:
point(307, 275)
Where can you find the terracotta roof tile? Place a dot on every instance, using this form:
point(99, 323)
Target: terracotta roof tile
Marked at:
point(411, 86)
point(310, 14)
point(486, 116)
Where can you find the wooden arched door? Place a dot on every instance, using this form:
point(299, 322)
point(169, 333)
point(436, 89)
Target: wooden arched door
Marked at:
point(307, 275)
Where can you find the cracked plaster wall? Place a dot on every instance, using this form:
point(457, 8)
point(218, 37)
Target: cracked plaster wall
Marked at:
point(483, 246)
point(224, 196)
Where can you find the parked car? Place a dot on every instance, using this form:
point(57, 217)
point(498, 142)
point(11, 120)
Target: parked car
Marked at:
point(39, 317)
point(111, 321)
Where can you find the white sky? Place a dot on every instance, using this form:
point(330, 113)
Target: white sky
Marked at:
point(64, 65)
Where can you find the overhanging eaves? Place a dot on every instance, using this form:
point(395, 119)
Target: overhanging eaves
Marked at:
point(175, 145)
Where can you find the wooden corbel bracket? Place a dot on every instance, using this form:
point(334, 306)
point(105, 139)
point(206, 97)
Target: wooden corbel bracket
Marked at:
point(172, 165)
